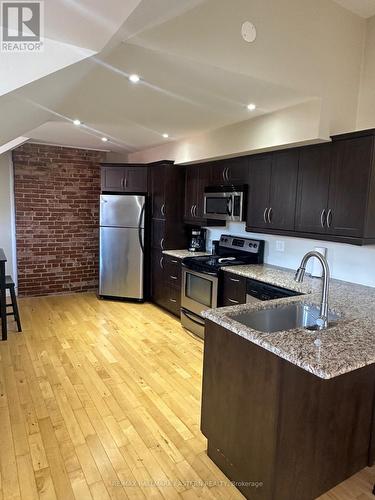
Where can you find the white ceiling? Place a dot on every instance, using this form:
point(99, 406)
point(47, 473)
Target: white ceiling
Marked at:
point(363, 8)
point(197, 72)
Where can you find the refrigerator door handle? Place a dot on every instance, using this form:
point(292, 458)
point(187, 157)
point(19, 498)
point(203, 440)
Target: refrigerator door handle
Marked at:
point(141, 216)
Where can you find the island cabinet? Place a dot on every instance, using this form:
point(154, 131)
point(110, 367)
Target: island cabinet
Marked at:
point(124, 178)
point(279, 431)
point(272, 191)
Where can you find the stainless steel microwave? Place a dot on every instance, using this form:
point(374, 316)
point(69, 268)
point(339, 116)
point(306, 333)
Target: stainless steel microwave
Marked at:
point(225, 203)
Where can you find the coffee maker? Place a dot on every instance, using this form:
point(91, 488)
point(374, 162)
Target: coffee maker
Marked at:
point(197, 240)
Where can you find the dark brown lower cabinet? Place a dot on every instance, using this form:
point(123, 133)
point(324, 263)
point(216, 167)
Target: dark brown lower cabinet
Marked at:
point(232, 290)
point(279, 431)
point(166, 282)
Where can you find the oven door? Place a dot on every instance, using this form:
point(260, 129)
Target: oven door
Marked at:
point(199, 291)
point(223, 206)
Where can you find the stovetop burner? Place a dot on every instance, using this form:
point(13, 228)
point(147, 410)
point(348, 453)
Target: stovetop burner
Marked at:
point(231, 251)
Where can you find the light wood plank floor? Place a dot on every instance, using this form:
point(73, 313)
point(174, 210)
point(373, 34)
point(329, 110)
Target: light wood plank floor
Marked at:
point(101, 400)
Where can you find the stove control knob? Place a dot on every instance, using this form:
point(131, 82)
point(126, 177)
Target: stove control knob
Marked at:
point(250, 245)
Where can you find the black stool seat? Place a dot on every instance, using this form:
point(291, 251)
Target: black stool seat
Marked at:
point(9, 284)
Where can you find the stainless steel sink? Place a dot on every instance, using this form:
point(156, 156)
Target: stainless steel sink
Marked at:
point(289, 317)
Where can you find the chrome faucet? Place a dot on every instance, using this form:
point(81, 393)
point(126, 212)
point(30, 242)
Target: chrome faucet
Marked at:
point(322, 322)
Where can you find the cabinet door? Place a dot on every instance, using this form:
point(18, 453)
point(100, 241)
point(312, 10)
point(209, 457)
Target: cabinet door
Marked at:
point(259, 192)
point(135, 180)
point(233, 290)
point(157, 188)
point(158, 288)
point(283, 193)
point(218, 170)
point(350, 178)
point(158, 235)
point(237, 172)
point(203, 182)
point(313, 187)
point(113, 179)
point(191, 183)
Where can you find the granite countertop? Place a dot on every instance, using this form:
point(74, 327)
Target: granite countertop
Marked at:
point(181, 254)
point(347, 345)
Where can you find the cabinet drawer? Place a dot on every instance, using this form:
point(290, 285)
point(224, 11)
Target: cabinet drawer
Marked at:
point(233, 290)
point(172, 267)
point(173, 302)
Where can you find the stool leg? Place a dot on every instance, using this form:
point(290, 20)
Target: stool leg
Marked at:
point(15, 308)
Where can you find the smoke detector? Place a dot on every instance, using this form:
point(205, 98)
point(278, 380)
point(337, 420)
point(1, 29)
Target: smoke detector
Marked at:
point(248, 32)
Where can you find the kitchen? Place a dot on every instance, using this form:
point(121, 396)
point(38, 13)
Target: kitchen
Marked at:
point(189, 256)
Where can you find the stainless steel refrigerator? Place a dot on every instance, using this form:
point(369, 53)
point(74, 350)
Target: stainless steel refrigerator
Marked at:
point(122, 231)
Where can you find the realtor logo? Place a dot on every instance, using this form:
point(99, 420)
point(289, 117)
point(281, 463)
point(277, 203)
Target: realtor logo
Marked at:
point(22, 26)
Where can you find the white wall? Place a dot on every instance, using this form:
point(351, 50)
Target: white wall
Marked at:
point(7, 222)
point(366, 106)
point(347, 262)
point(300, 124)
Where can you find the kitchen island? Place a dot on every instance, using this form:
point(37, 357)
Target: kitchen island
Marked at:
point(289, 414)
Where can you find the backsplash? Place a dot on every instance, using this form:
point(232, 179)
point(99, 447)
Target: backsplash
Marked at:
point(347, 262)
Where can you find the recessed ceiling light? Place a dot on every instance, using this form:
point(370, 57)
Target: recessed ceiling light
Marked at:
point(77, 122)
point(104, 139)
point(251, 107)
point(165, 136)
point(134, 78)
point(248, 32)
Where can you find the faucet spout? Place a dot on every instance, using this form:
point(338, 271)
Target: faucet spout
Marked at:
point(300, 274)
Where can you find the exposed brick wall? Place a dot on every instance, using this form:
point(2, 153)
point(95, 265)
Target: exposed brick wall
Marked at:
point(57, 218)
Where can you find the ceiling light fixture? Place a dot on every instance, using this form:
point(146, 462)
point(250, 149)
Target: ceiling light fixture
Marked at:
point(77, 122)
point(104, 139)
point(251, 107)
point(165, 136)
point(134, 78)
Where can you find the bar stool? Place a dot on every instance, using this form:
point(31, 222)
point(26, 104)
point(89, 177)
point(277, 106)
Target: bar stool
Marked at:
point(9, 285)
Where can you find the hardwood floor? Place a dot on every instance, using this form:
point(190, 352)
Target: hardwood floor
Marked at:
point(101, 400)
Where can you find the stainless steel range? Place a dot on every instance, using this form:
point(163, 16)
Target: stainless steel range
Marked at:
point(201, 277)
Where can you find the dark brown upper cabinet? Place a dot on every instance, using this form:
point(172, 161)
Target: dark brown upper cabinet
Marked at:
point(272, 191)
point(124, 178)
point(233, 171)
point(351, 192)
point(166, 189)
point(196, 179)
point(336, 189)
point(313, 188)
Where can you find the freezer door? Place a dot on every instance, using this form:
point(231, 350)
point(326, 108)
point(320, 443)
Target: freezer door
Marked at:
point(121, 210)
point(121, 262)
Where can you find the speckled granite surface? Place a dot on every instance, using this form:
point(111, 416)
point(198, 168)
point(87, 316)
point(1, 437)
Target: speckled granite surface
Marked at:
point(181, 254)
point(344, 347)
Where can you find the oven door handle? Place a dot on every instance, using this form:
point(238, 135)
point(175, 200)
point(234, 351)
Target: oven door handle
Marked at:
point(200, 273)
point(192, 319)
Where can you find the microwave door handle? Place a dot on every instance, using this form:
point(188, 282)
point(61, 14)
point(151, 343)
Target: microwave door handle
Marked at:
point(230, 206)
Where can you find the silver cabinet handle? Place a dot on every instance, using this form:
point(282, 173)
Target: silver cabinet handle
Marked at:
point(322, 217)
point(173, 277)
point(223, 174)
point(195, 211)
point(123, 183)
point(329, 218)
point(162, 210)
point(269, 217)
point(227, 174)
point(264, 214)
point(173, 300)
point(191, 210)
point(161, 263)
point(162, 243)
point(126, 182)
point(236, 281)
point(233, 301)
point(174, 261)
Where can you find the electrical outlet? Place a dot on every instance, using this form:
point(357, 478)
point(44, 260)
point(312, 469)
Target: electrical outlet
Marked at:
point(280, 246)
